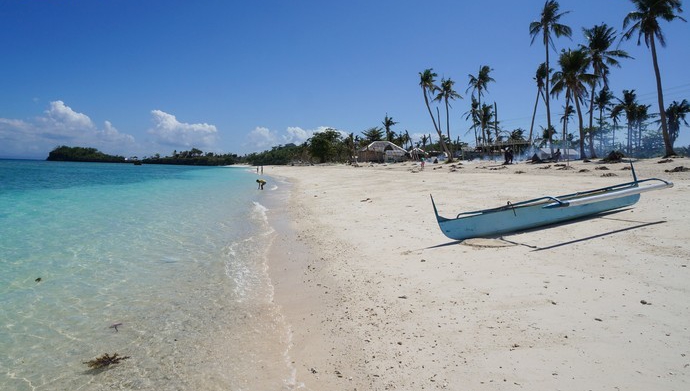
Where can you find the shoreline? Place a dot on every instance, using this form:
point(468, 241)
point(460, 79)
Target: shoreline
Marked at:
point(378, 298)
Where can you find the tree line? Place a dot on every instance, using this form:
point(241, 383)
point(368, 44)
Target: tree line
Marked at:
point(582, 79)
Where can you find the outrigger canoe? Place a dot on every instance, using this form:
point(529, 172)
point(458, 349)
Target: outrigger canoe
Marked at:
point(546, 210)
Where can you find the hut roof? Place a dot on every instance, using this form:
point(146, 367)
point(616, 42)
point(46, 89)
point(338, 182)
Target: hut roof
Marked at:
point(382, 146)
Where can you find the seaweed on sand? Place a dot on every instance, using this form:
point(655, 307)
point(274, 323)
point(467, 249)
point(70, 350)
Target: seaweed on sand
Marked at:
point(614, 157)
point(105, 360)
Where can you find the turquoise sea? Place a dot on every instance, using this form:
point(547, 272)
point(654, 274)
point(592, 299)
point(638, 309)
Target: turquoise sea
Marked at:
point(164, 264)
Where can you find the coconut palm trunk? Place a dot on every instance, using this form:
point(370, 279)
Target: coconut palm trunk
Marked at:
point(582, 129)
point(592, 152)
point(660, 97)
point(534, 114)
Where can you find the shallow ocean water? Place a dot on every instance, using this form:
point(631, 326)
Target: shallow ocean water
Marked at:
point(175, 255)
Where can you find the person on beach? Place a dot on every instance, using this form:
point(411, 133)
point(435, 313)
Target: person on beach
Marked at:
point(422, 161)
point(261, 183)
point(508, 155)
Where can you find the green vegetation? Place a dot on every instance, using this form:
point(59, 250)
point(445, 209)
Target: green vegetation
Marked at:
point(645, 21)
point(80, 154)
point(582, 80)
point(194, 157)
point(280, 155)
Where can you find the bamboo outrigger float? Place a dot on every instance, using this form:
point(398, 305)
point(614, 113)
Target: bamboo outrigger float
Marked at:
point(546, 210)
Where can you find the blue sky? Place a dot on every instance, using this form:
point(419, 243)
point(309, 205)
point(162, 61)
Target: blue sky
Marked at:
point(143, 77)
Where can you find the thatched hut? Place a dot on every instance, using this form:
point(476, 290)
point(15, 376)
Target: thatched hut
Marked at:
point(381, 152)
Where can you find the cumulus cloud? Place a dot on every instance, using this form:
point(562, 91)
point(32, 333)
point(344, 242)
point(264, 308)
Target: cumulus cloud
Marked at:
point(59, 125)
point(167, 130)
point(297, 135)
point(261, 138)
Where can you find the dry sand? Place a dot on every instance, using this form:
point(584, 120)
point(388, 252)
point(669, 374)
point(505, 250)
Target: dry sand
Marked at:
point(378, 299)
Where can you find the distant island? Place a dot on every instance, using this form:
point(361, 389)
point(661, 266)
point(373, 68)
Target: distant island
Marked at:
point(280, 155)
point(194, 157)
point(81, 154)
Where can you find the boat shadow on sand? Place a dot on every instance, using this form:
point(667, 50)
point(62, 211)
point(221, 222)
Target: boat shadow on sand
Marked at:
point(504, 240)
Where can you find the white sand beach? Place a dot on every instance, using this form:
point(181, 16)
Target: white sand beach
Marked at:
point(378, 299)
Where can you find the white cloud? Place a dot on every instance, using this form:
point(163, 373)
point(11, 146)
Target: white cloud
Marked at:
point(169, 131)
point(261, 138)
point(297, 135)
point(63, 117)
point(59, 125)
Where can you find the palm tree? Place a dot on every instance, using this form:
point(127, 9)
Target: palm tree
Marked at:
point(568, 112)
point(479, 83)
point(539, 77)
point(548, 23)
point(641, 115)
point(603, 102)
point(426, 81)
point(675, 114)
point(387, 123)
point(645, 22)
point(573, 78)
point(627, 105)
point(600, 38)
point(406, 138)
point(373, 134)
point(485, 119)
point(447, 93)
point(473, 114)
point(424, 139)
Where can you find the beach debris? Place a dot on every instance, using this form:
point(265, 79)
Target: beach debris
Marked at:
point(603, 168)
point(519, 172)
point(498, 168)
point(338, 373)
point(626, 168)
point(105, 360)
point(608, 174)
point(679, 169)
point(598, 319)
point(115, 326)
point(564, 167)
point(584, 170)
point(313, 370)
point(645, 302)
point(402, 297)
point(365, 200)
point(39, 279)
point(614, 157)
point(665, 161)
point(545, 167)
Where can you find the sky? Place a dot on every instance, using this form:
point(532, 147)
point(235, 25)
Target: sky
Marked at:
point(136, 78)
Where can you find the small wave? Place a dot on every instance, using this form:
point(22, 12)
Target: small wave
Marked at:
point(260, 211)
